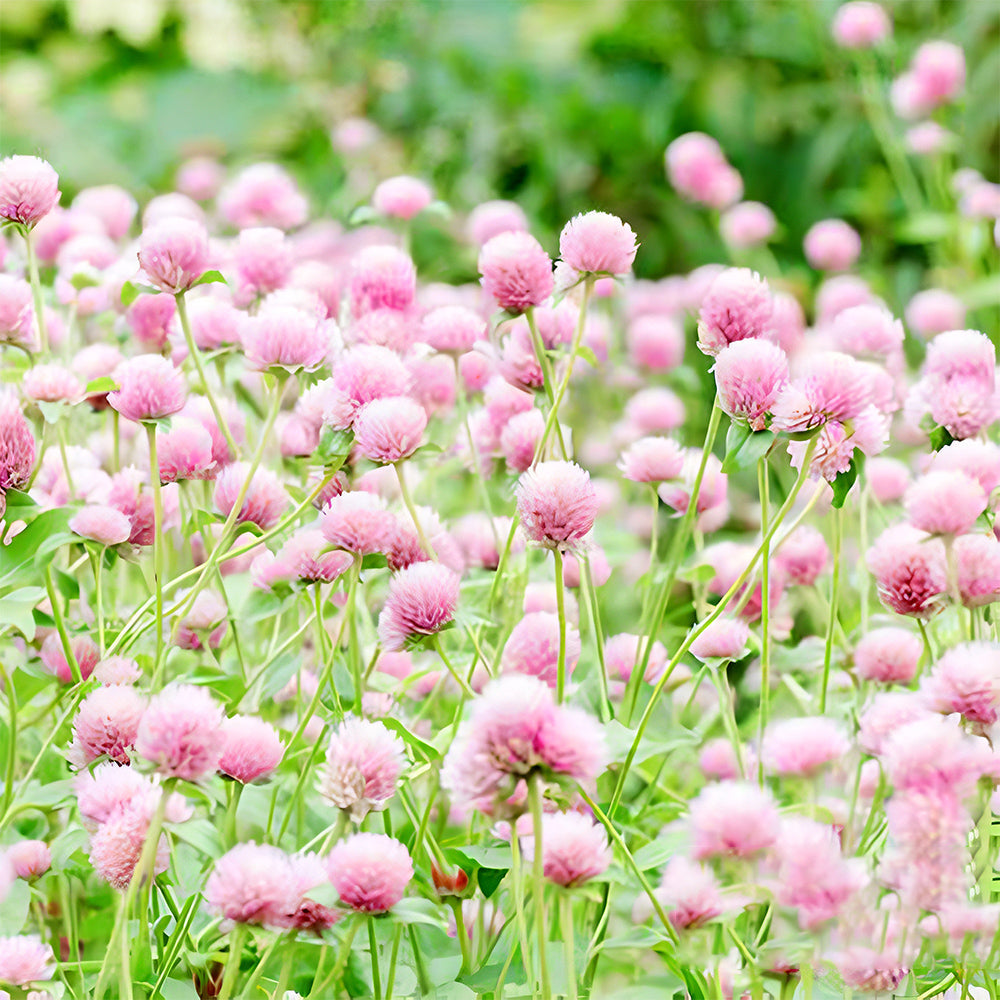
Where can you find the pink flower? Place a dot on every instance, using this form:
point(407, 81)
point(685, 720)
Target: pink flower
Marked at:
point(174, 254)
point(363, 373)
point(262, 258)
point(17, 314)
point(652, 460)
point(51, 384)
point(887, 478)
point(832, 245)
point(263, 195)
point(690, 893)
point(107, 723)
point(697, 168)
point(967, 680)
point(30, 858)
point(802, 746)
point(85, 652)
point(357, 522)
point(109, 788)
point(887, 713)
point(198, 408)
point(150, 319)
point(738, 306)
point(17, 444)
point(519, 439)
point(287, 337)
point(389, 429)
point(370, 871)
point(944, 503)
point(382, 277)
point(181, 732)
point(726, 639)
point(747, 224)
point(749, 374)
point(101, 524)
point(598, 243)
point(29, 189)
point(149, 387)
point(712, 503)
point(117, 670)
point(868, 331)
point(402, 197)
point(718, 759)
point(557, 504)
point(200, 177)
point(803, 555)
point(623, 653)
point(574, 849)
point(831, 386)
point(977, 569)
point(934, 311)
point(533, 648)
point(421, 601)
point(888, 656)
point(516, 271)
point(732, 819)
point(861, 25)
point(205, 624)
point(303, 557)
point(116, 848)
point(265, 501)
point(656, 342)
point(909, 568)
point(363, 764)
point(979, 459)
point(184, 452)
point(169, 206)
point(25, 959)
point(958, 354)
point(452, 329)
point(938, 71)
point(250, 749)
point(491, 218)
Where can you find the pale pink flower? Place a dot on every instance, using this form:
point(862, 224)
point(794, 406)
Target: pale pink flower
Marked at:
point(30, 858)
point(108, 788)
point(263, 195)
point(574, 848)
point(402, 197)
point(738, 306)
point(25, 959)
point(934, 311)
point(944, 503)
point(978, 459)
point(938, 70)
point(422, 600)
point(697, 168)
point(117, 846)
point(385, 327)
point(712, 503)
point(389, 429)
point(788, 322)
point(598, 243)
point(516, 271)
point(117, 670)
point(718, 759)
point(363, 765)
point(382, 277)
point(888, 656)
point(803, 555)
point(150, 318)
point(868, 331)
point(130, 494)
point(888, 479)
point(654, 411)
point(17, 444)
point(729, 560)
point(597, 563)
point(29, 189)
point(354, 135)
point(927, 139)
point(861, 25)
point(726, 638)
point(966, 680)
point(831, 386)
point(977, 569)
point(962, 354)
point(885, 715)
point(747, 224)
point(491, 218)
point(370, 871)
point(362, 373)
point(909, 568)
point(871, 970)
point(480, 539)
point(181, 732)
point(174, 254)
point(265, 501)
point(250, 749)
point(542, 597)
point(170, 206)
point(652, 460)
point(690, 893)
point(107, 723)
point(303, 557)
point(452, 329)
point(17, 314)
point(732, 819)
point(85, 652)
point(749, 374)
point(205, 623)
point(533, 648)
point(802, 746)
point(358, 522)
point(623, 653)
point(200, 177)
point(287, 337)
point(832, 245)
point(184, 451)
point(557, 504)
point(51, 383)
point(557, 324)
point(656, 341)
point(102, 524)
point(149, 388)
point(519, 439)
point(262, 259)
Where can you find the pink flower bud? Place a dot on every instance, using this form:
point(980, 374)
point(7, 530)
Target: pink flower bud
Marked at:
point(390, 429)
point(832, 245)
point(557, 504)
point(861, 25)
point(30, 858)
point(402, 197)
point(149, 387)
point(370, 871)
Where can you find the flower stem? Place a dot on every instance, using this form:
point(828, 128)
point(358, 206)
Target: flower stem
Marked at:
point(412, 510)
point(561, 611)
point(838, 531)
point(393, 957)
point(518, 890)
point(541, 924)
point(765, 617)
point(36, 292)
point(236, 939)
point(569, 940)
point(154, 472)
point(373, 951)
point(96, 558)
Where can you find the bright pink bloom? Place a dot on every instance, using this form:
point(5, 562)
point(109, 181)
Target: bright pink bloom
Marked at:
point(452, 329)
point(117, 846)
point(557, 504)
point(533, 648)
point(29, 189)
point(200, 177)
point(389, 429)
point(802, 746)
point(265, 501)
point(832, 245)
point(30, 858)
point(712, 503)
point(623, 653)
point(944, 503)
point(181, 732)
point(726, 638)
point(861, 25)
point(205, 624)
point(516, 271)
point(17, 314)
point(690, 893)
point(574, 848)
point(652, 460)
point(934, 311)
point(150, 319)
point(747, 224)
point(697, 168)
point(358, 522)
point(85, 652)
point(967, 680)
point(263, 195)
point(978, 459)
point(382, 277)
point(102, 524)
point(909, 568)
point(262, 258)
point(938, 71)
point(803, 555)
point(370, 871)
point(888, 656)
point(749, 374)
point(363, 764)
point(831, 387)
point(598, 243)
point(250, 749)
point(492, 218)
point(738, 306)
point(174, 254)
point(17, 444)
point(519, 439)
point(656, 341)
point(287, 337)
point(402, 197)
point(977, 569)
point(362, 373)
point(732, 819)
point(421, 601)
point(184, 452)
point(25, 959)
point(150, 387)
point(107, 722)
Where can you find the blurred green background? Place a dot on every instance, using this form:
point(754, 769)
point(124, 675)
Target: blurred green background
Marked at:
point(562, 105)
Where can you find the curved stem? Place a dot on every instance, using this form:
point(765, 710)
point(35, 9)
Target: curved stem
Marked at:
point(64, 639)
point(765, 617)
point(838, 531)
point(154, 472)
point(541, 924)
point(548, 376)
point(412, 510)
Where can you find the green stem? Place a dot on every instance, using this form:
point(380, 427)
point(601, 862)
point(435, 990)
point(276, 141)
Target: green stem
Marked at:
point(96, 558)
point(520, 920)
point(548, 377)
point(561, 611)
point(154, 472)
point(236, 939)
point(462, 933)
point(64, 639)
point(838, 531)
point(541, 924)
point(36, 292)
point(373, 951)
point(10, 766)
point(258, 971)
point(393, 958)
point(765, 618)
point(569, 940)
point(412, 510)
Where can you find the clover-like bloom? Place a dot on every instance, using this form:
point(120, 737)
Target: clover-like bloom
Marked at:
point(422, 600)
point(149, 387)
point(174, 254)
point(516, 271)
point(363, 764)
point(181, 732)
point(370, 871)
point(557, 504)
point(598, 243)
point(29, 189)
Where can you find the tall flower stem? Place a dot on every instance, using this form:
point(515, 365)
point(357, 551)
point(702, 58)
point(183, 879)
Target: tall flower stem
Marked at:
point(569, 940)
point(373, 950)
point(154, 473)
point(541, 923)
point(561, 611)
point(765, 616)
point(412, 511)
point(96, 559)
point(236, 939)
point(548, 376)
point(36, 291)
point(517, 875)
point(838, 531)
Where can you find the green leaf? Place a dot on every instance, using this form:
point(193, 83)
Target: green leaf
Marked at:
point(362, 215)
point(844, 481)
point(103, 384)
point(52, 412)
point(417, 745)
point(16, 609)
point(588, 355)
point(418, 911)
point(940, 438)
point(334, 448)
point(654, 854)
point(130, 292)
point(19, 499)
point(210, 277)
point(489, 879)
point(85, 279)
point(17, 559)
point(736, 437)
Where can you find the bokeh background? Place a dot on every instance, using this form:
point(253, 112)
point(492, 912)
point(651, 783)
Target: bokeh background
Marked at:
point(562, 105)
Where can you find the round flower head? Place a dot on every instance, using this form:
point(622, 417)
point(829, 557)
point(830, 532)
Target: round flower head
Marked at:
point(697, 168)
point(51, 384)
point(107, 789)
point(363, 764)
point(909, 568)
point(598, 243)
point(725, 639)
point(181, 732)
point(150, 318)
point(802, 746)
point(533, 648)
point(357, 522)
point(803, 556)
point(887, 713)
point(938, 72)
point(303, 557)
point(749, 374)
point(117, 670)
point(934, 311)
point(689, 892)
point(888, 656)
point(85, 652)
point(383, 277)
point(17, 445)
point(656, 342)
point(263, 195)
point(967, 680)
point(516, 271)
point(712, 502)
point(977, 569)
point(25, 959)
point(390, 429)
point(263, 261)
point(106, 724)
point(832, 245)
point(113, 205)
point(250, 749)
point(747, 224)
point(265, 501)
point(944, 503)
point(868, 331)
point(832, 386)
point(287, 337)
point(30, 858)
point(16, 311)
point(452, 329)
point(174, 254)
point(738, 306)
point(979, 459)
point(205, 623)
point(184, 452)
point(370, 871)
point(732, 819)
point(718, 759)
point(29, 189)
point(861, 25)
point(557, 504)
point(962, 354)
point(117, 846)
point(574, 848)
point(402, 197)
point(652, 460)
point(363, 373)
point(624, 652)
point(421, 602)
point(492, 218)
point(149, 387)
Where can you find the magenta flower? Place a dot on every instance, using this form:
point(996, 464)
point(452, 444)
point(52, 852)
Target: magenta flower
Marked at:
point(422, 600)
point(738, 306)
point(29, 189)
point(598, 243)
point(909, 568)
point(149, 387)
point(888, 656)
point(389, 429)
point(749, 374)
point(362, 768)
point(402, 197)
point(107, 723)
point(174, 254)
point(382, 277)
point(516, 271)
point(574, 849)
point(181, 732)
point(533, 648)
point(370, 871)
point(557, 504)
point(17, 444)
point(265, 501)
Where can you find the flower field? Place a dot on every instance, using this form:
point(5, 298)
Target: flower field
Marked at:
point(558, 632)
